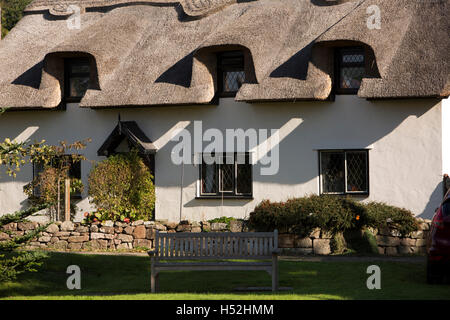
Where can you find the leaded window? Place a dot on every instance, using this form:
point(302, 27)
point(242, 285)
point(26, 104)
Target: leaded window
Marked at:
point(231, 72)
point(226, 175)
point(351, 69)
point(77, 77)
point(344, 172)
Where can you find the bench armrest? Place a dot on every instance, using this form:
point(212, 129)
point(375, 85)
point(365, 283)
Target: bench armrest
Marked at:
point(276, 251)
point(152, 253)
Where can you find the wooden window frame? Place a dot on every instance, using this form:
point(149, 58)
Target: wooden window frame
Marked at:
point(68, 74)
point(345, 151)
point(338, 53)
point(225, 194)
point(222, 68)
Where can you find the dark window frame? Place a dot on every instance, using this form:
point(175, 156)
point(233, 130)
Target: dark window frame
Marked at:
point(74, 166)
point(225, 194)
point(223, 67)
point(339, 64)
point(68, 74)
point(346, 192)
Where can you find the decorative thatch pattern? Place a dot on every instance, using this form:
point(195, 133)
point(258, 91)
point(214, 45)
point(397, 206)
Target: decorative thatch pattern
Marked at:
point(150, 54)
point(190, 7)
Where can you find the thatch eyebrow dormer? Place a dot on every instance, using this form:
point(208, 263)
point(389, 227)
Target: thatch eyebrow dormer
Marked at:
point(135, 43)
point(68, 71)
point(229, 67)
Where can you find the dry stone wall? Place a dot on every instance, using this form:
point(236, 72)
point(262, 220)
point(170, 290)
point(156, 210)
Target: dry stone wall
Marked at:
point(140, 235)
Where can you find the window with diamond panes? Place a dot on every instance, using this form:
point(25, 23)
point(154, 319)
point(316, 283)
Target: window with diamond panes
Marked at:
point(351, 69)
point(344, 172)
point(229, 176)
point(231, 73)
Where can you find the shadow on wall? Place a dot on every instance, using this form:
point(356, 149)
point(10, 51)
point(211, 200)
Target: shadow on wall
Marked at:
point(436, 198)
point(433, 203)
point(372, 128)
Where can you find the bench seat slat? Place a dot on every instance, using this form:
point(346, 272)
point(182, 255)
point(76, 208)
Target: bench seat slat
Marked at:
point(222, 263)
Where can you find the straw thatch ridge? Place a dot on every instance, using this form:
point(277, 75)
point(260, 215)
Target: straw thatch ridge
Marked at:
point(146, 54)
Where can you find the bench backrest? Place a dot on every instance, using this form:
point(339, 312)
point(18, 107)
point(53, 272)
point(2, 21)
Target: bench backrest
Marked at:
point(216, 245)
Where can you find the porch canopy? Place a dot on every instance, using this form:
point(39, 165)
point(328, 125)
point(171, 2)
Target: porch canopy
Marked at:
point(135, 137)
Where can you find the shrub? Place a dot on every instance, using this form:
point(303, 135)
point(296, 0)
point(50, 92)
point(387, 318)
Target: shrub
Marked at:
point(381, 215)
point(293, 215)
point(122, 188)
point(335, 214)
point(226, 220)
point(332, 214)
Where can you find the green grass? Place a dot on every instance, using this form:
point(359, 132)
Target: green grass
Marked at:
point(128, 277)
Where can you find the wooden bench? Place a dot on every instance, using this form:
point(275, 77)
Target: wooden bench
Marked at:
point(200, 248)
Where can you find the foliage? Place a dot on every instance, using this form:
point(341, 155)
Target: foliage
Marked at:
point(226, 220)
point(50, 182)
point(47, 182)
point(381, 215)
point(13, 262)
point(12, 12)
point(338, 244)
point(19, 263)
point(292, 216)
point(329, 213)
point(122, 187)
point(14, 154)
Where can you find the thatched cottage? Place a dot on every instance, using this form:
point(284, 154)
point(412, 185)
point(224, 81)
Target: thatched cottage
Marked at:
point(355, 90)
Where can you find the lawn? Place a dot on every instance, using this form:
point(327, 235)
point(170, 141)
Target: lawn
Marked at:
point(127, 277)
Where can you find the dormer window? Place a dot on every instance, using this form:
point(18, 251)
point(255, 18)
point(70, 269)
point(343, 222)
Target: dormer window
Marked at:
point(231, 72)
point(350, 69)
point(77, 77)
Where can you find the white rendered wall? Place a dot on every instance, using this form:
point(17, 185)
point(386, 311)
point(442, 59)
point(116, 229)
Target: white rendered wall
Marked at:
point(404, 138)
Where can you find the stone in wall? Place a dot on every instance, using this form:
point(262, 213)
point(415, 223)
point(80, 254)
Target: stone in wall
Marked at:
point(388, 241)
point(303, 242)
point(143, 243)
point(217, 226)
point(286, 240)
point(321, 246)
point(184, 226)
point(391, 251)
point(67, 226)
point(139, 232)
point(236, 225)
point(125, 238)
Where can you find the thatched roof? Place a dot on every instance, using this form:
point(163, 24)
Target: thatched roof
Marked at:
point(162, 53)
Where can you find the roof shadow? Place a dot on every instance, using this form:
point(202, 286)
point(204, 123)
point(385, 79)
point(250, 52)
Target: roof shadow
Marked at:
point(31, 77)
point(180, 73)
point(297, 65)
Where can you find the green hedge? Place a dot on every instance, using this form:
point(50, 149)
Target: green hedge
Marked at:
point(329, 213)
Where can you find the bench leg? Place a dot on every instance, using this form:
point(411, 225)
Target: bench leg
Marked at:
point(153, 282)
point(274, 272)
point(153, 279)
point(157, 282)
